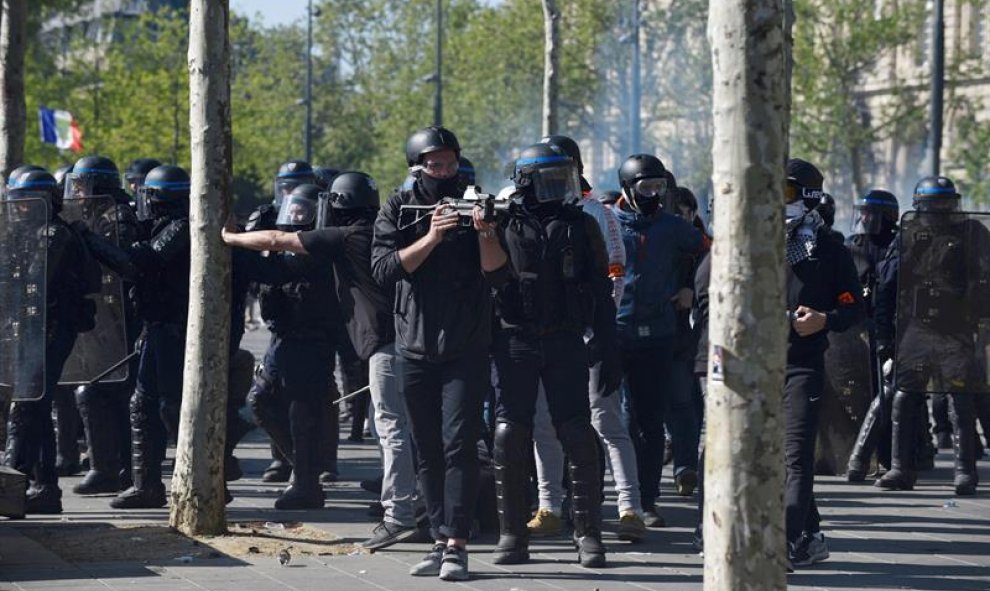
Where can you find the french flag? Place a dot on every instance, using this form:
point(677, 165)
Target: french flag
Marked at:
point(60, 128)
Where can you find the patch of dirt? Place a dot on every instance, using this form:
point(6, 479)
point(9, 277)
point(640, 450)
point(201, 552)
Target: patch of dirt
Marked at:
point(108, 542)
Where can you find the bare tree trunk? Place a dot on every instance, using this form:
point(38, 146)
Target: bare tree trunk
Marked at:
point(13, 112)
point(197, 497)
point(789, 18)
point(551, 65)
point(744, 467)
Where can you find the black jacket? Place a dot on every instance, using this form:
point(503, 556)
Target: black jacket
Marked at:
point(443, 309)
point(702, 280)
point(827, 281)
point(365, 305)
point(297, 297)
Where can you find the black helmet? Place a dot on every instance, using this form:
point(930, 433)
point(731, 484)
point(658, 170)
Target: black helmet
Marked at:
point(875, 213)
point(298, 211)
point(569, 147)
point(35, 183)
point(19, 171)
point(645, 181)
point(352, 194)
point(165, 192)
point(324, 176)
point(684, 197)
point(59, 175)
point(936, 193)
point(804, 181)
point(465, 172)
point(609, 197)
point(137, 170)
point(92, 175)
point(547, 174)
point(289, 176)
point(430, 139)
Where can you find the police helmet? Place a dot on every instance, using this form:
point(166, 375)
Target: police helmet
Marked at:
point(430, 139)
point(137, 170)
point(289, 176)
point(936, 193)
point(35, 183)
point(546, 173)
point(875, 212)
point(165, 191)
point(324, 176)
point(298, 210)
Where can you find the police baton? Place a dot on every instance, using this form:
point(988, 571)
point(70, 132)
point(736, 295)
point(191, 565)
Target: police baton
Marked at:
point(113, 367)
point(352, 394)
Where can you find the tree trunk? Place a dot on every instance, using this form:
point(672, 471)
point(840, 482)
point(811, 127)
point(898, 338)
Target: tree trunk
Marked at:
point(789, 18)
point(551, 65)
point(13, 112)
point(744, 468)
point(197, 497)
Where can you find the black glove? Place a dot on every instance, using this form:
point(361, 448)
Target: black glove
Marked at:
point(79, 227)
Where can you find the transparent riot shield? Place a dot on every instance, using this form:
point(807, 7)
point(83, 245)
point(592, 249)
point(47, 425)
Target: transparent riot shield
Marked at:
point(849, 389)
point(23, 268)
point(99, 349)
point(943, 302)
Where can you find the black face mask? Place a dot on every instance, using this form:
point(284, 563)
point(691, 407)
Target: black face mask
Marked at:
point(437, 189)
point(647, 205)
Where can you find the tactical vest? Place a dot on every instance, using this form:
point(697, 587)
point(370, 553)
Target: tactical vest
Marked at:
point(301, 308)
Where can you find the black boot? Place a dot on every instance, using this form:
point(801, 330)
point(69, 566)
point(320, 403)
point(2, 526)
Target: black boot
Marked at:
point(963, 417)
point(272, 415)
point(866, 441)
point(512, 442)
point(577, 437)
point(305, 491)
point(925, 450)
point(66, 432)
point(43, 499)
point(148, 452)
point(329, 441)
point(901, 475)
point(102, 438)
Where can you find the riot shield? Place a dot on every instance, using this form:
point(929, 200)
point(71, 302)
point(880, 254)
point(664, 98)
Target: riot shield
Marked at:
point(943, 302)
point(99, 349)
point(849, 389)
point(23, 304)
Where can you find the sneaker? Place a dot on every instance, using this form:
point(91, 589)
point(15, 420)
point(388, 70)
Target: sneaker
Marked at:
point(430, 565)
point(545, 524)
point(631, 527)
point(652, 517)
point(686, 481)
point(810, 549)
point(455, 564)
point(387, 533)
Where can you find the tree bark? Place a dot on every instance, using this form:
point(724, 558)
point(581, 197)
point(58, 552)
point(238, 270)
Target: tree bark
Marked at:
point(13, 111)
point(744, 468)
point(197, 497)
point(551, 65)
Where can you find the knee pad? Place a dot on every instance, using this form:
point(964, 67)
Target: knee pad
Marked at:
point(512, 442)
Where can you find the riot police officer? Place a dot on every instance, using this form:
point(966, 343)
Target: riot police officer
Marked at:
point(158, 267)
point(549, 267)
point(292, 384)
point(874, 228)
point(136, 172)
point(104, 407)
point(928, 277)
point(31, 437)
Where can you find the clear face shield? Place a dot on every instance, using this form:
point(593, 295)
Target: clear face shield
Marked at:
point(22, 204)
point(867, 220)
point(145, 201)
point(296, 213)
point(78, 186)
point(285, 185)
point(556, 183)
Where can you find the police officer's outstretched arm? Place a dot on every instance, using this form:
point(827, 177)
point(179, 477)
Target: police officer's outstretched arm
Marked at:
point(117, 259)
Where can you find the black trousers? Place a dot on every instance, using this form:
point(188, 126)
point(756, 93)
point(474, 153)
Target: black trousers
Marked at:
point(803, 389)
point(444, 401)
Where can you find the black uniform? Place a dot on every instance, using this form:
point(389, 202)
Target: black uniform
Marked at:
point(293, 383)
point(158, 267)
point(554, 288)
point(31, 446)
point(442, 316)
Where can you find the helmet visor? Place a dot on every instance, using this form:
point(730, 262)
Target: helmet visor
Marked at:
point(867, 220)
point(296, 212)
point(284, 185)
point(78, 186)
point(936, 203)
point(556, 183)
point(145, 201)
point(651, 188)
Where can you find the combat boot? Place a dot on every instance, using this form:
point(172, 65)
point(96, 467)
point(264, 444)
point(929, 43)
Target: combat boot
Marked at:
point(102, 439)
point(577, 437)
point(43, 499)
point(901, 475)
point(305, 491)
point(66, 432)
point(147, 455)
point(512, 441)
point(866, 440)
point(963, 419)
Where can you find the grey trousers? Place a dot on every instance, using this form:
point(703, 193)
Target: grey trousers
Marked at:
point(399, 494)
